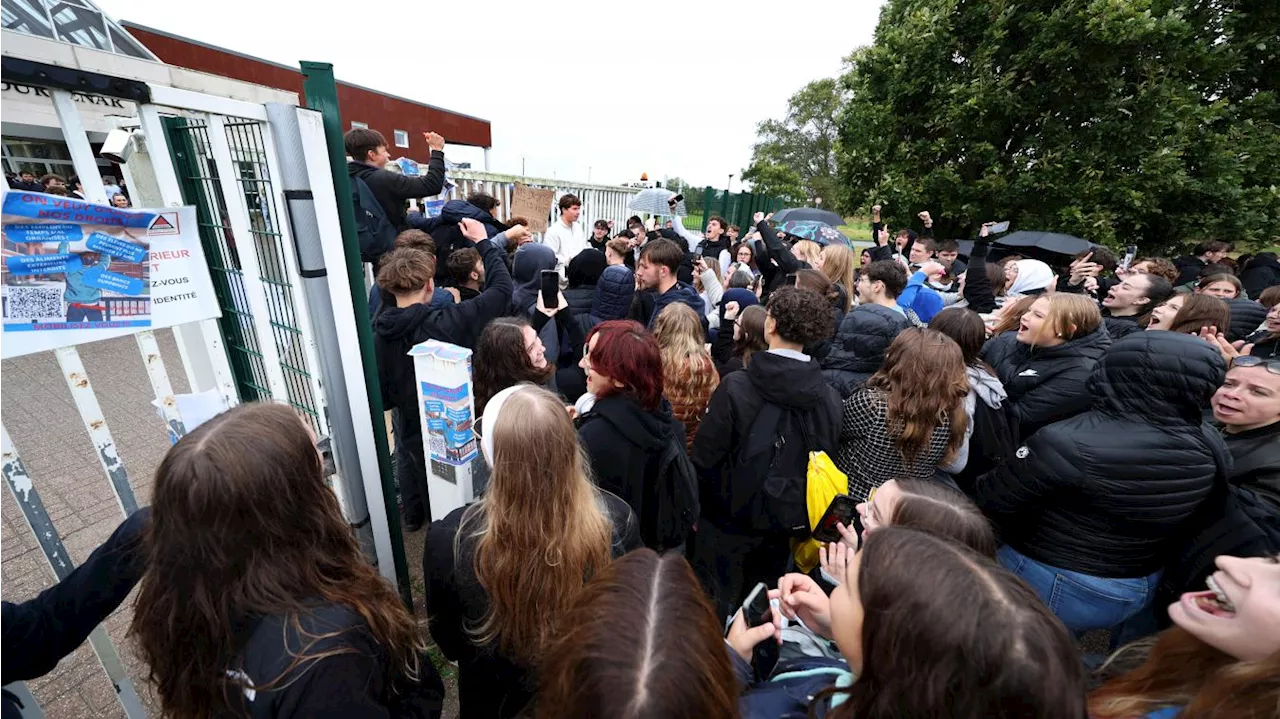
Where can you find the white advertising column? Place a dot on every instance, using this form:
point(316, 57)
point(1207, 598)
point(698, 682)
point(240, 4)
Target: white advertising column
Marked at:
point(446, 406)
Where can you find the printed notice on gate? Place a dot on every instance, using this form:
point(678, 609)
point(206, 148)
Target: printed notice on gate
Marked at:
point(77, 272)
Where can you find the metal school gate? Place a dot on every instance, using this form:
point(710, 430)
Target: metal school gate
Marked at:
point(259, 177)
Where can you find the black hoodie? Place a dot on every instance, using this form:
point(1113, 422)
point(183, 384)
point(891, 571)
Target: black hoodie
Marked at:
point(770, 378)
point(398, 329)
point(625, 442)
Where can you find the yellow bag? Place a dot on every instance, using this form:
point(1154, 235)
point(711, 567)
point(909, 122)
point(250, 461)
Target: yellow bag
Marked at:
point(824, 483)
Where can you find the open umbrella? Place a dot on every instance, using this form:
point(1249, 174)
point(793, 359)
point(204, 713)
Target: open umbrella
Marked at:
point(808, 214)
point(819, 232)
point(654, 201)
point(1046, 241)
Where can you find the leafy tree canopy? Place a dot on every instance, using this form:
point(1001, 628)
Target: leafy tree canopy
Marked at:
point(795, 157)
point(1146, 121)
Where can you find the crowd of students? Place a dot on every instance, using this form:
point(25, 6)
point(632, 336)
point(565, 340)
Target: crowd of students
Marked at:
point(1034, 452)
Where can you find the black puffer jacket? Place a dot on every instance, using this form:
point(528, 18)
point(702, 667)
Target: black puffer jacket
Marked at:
point(1262, 272)
point(859, 346)
point(1119, 327)
point(1255, 455)
point(1110, 492)
point(1246, 316)
point(624, 443)
point(1045, 384)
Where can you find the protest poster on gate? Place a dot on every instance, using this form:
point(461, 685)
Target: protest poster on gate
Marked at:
point(77, 272)
point(532, 204)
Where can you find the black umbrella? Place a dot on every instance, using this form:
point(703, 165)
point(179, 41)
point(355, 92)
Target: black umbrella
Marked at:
point(812, 214)
point(1047, 241)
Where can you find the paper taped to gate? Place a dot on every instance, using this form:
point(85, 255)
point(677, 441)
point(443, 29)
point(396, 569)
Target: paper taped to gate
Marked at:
point(77, 272)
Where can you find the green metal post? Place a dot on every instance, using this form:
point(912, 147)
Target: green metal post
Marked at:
point(322, 94)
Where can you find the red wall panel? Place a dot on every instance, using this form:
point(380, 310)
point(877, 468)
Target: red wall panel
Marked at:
point(380, 112)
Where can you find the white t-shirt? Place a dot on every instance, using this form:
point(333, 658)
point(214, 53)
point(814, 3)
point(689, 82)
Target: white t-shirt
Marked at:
point(566, 241)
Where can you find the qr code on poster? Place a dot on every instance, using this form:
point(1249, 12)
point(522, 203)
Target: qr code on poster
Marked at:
point(33, 303)
point(436, 443)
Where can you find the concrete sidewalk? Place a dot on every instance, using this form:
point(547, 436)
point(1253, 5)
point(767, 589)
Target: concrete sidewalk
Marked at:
point(47, 431)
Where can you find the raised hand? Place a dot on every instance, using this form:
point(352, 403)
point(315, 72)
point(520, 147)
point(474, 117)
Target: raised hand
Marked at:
point(434, 141)
point(731, 311)
point(472, 229)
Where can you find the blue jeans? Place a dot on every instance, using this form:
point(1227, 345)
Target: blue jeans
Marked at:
point(1081, 601)
point(80, 314)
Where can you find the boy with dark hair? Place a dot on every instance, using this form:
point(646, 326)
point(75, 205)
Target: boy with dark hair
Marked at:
point(565, 236)
point(1209, 252)
point(948, 253)
point(27, 181)
point(51, 181)
point(486, 202)
point(656, 269)
point(369, 156)
point(752, 449)
point(599, 234)
point(406, 277)
point(466, 269)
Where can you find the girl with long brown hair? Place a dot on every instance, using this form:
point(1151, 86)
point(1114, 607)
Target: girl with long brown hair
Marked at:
point(688, 374)
point(645, 642)
point(508, 352)
point(929, 628)
point(1222, 659)
point(256, 600)
point(1195, 313)
point(909, 417)
point(503, 573)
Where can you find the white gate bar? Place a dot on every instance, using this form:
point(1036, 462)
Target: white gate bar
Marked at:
point(251, 268)
point(200, 102)
point(28, 499)
point(280, 215)
point(151, 357)
point(87, 169)
point(78, 143)
point(326, 204)
point(96, 424)
point(205, 337)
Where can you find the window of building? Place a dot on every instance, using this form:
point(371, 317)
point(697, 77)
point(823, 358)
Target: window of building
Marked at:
point(355, 124)
point(402, 138)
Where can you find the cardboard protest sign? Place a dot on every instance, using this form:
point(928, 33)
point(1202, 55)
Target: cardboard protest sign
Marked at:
point(533, 204)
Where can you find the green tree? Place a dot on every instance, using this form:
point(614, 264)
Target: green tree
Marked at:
point(795, 158)
point(1146, 121)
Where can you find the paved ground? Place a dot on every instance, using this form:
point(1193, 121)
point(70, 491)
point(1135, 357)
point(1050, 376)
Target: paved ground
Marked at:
point(46, 430)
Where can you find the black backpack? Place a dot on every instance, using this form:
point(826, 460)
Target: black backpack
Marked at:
point(678, 506)
point(377, 234)
point(994, 441)
point(767, 486)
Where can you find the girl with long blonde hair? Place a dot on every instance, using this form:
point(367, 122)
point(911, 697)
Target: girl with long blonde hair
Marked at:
point(688, 374)
point(837, 264)
point(503, 573)
point(909, 417)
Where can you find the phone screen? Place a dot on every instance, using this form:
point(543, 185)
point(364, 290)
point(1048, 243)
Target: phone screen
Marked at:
point(793, 280)
point(550, 288)
point(1130, 252)
point(841, 510)
point(756, 608)
point(1000, 227)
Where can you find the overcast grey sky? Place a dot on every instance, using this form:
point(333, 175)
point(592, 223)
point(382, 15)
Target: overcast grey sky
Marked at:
point(600, 88)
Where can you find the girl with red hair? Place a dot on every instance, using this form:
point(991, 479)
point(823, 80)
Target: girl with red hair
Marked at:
point(630, 423)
